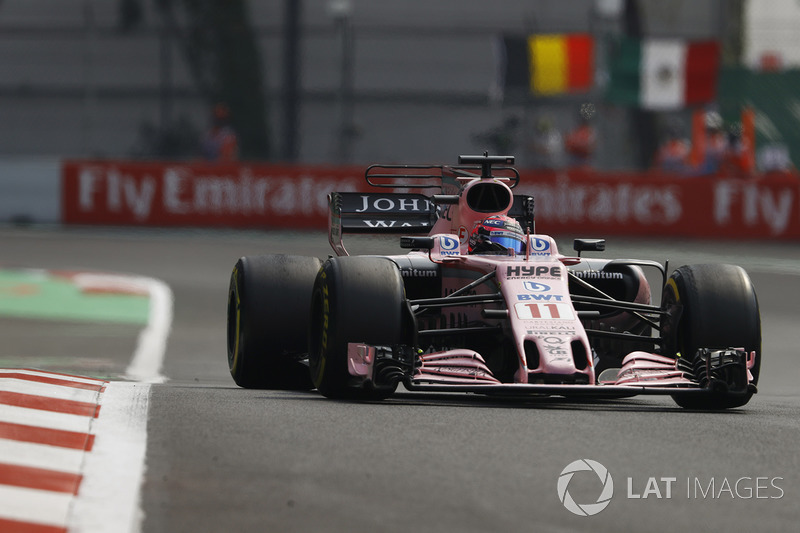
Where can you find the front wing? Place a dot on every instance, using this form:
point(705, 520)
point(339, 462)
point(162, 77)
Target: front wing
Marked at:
point(644, 373)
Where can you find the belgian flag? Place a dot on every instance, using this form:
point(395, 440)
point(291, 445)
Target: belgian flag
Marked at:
point(548, 64)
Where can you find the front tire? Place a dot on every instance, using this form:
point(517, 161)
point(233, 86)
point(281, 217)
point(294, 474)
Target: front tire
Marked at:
point(711, 306)
point(355, 299)
point(269, 298)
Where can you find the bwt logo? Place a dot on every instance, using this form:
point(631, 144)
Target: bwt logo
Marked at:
point(448, 243)
point(533, 286)
point(585, 509)
point(539, 245)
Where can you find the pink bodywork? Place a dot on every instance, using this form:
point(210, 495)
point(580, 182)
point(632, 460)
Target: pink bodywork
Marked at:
point(535, 288)
point(652, 370)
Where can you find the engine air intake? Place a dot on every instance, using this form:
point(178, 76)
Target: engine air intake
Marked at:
point(488, 197)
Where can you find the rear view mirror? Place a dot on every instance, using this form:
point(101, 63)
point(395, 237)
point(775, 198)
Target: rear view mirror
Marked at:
point(589, 245)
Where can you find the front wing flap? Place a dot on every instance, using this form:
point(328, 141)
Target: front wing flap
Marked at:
point(465, 371)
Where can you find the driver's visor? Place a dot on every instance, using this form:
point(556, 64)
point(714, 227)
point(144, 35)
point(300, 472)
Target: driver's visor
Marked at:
point(508, 242)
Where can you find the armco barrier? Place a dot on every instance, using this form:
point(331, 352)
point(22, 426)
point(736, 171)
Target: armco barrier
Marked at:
point(30, 189)
point(273, 196)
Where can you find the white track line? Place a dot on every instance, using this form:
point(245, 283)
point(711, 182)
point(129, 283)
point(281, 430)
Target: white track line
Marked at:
point(114, 471)
point(149, 356)
point(145, 366)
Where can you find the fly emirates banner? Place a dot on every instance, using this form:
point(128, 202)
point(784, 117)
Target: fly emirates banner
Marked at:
point(174, 194)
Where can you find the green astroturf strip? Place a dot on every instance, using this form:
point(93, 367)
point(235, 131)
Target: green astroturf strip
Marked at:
point(37, 294)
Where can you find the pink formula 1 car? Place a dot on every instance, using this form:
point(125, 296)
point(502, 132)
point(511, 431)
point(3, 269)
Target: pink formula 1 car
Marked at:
point(482, 303)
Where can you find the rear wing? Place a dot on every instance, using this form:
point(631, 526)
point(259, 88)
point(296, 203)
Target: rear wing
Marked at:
point(382, 212)
point(397, 213)
point(412, 213)
point(443, 177)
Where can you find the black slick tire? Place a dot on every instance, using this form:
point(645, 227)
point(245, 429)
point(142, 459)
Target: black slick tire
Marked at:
point(355, 299)
point(712, 306)
point(268, 313)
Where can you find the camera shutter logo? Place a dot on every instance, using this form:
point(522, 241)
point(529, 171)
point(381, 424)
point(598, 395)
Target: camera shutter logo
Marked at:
point(585, 509)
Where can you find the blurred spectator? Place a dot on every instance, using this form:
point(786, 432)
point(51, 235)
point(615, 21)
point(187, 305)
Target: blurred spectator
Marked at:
point(178, 139)
point(774, 157)
point(221, 142)
point(547, 145)
point(738, 159)
point(713, 144)
point(673, 154)
point(500, 140)
point(580, 142)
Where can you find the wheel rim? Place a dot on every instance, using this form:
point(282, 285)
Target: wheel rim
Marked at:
point(314, 342)
point(234, 321)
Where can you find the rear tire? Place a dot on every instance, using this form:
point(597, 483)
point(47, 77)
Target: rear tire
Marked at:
point(355, 299)
point(269, 300)
point(719, 310)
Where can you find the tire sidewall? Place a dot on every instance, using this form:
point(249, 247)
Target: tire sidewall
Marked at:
point(268, 304)
point(326, 371)
point(355, 299)
point(719, 309)
point(711, 306)
point(234, 323)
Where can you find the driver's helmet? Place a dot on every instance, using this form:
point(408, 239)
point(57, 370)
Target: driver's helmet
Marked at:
point(496, 234)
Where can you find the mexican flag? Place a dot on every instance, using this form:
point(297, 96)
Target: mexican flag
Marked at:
point(663, 74)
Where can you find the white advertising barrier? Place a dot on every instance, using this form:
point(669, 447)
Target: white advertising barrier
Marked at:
point(30, 190)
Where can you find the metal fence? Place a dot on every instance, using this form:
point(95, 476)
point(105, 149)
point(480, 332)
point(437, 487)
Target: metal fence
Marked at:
point(419, 83)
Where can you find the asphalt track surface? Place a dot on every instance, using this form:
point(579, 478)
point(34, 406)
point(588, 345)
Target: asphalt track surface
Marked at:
point(221, 458)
